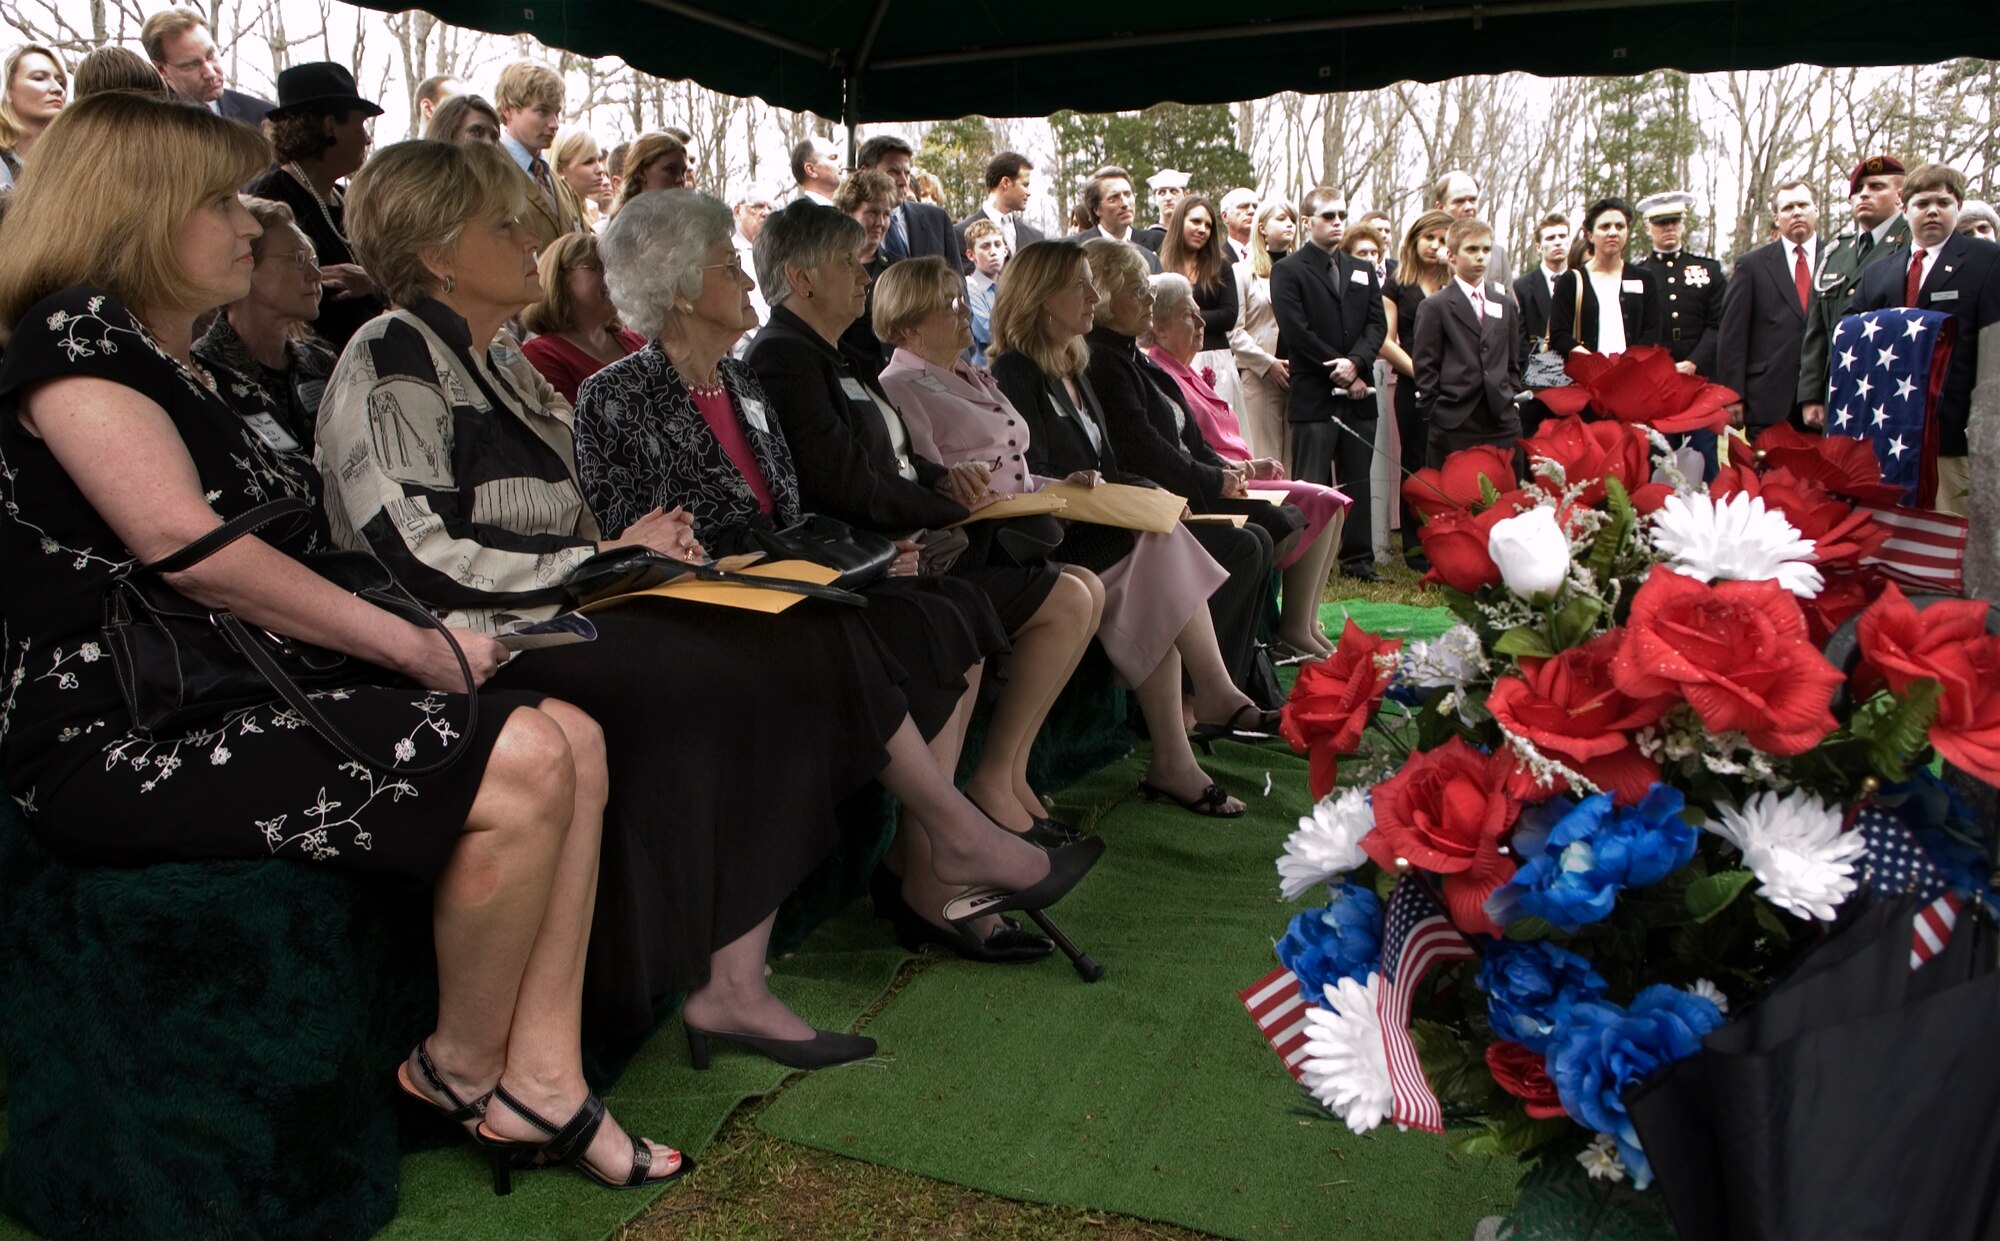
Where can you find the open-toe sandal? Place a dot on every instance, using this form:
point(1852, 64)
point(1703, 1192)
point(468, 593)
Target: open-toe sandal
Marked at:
point(1250, 723)
point(461, 1112)
point(567, 1144)
point(1211, 803)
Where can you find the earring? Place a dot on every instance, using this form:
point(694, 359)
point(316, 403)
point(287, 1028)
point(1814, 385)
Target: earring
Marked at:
point(449, 283)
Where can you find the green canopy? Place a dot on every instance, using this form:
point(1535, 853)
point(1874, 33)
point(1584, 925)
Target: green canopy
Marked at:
point(899, 60)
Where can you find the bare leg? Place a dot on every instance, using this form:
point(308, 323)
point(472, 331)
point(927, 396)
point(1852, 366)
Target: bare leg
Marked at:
point(736, 995)
point(1305, 584)
point(1173, 768)
point(1216, 698)
point(912, 857)
point(1046, 651)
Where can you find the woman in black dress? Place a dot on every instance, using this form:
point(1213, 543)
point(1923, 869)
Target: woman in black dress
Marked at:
point(116, 449)
point(1420, 272)
point(1193, 248)
point(731, 734)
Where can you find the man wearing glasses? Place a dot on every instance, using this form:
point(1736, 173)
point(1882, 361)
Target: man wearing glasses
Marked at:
point(178, 43)
point(1764, 314)
point(1330, 325)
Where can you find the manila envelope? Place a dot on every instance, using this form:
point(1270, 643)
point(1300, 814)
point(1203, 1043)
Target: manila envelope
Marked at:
point(1153, 510)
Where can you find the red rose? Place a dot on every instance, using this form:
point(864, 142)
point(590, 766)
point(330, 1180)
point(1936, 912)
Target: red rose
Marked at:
point(1332, 701)
point(1967, 728)
point(1738, 652)
point(1455, 485)
point(1525, 1075)
point(1843, 594)
point(1900, 644)
point(1455, 543)
point(1445, 811)
point(1842, 465)
point(1842, 535)
point(1569, 709)
point(1641, 386)
point(1590, 452)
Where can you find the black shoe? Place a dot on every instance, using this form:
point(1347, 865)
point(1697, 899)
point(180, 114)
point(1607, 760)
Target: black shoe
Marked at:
point(1067, 867)
point(1260, 725)
point(568, 1144)
point(824, 1049)
point(1360, 572)
point(1050, 834)
point(1418, 563)
point(1210, 804)
point(1006, 945)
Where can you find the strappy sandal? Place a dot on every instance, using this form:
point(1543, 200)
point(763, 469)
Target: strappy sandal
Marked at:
point(1210, 803)
point(460, 1111)
point(1263, 727)
point(567, 1145)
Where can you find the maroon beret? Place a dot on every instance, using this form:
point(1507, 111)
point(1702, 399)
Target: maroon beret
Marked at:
point(1874, 166)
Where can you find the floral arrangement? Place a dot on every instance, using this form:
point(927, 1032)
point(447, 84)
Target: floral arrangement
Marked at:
point(1629, 776)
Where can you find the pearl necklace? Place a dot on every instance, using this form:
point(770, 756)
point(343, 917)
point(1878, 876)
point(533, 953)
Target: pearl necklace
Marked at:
point(701, 391)
point(299, 174)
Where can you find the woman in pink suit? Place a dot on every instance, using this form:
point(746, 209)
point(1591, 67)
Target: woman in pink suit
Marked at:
point(1155, 586)
point(1172, 343)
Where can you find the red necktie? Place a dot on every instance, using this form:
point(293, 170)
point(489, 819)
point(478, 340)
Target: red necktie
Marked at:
point(1916, 278)
point(1802, 278)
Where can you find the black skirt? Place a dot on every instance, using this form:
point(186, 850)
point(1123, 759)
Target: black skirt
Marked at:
point(934, 629)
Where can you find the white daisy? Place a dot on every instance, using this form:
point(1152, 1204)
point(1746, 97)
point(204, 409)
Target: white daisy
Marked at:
point(1327, 844)
point(1706, 990)
point(1453, 658)
point(1601, 1160)
point(1736, 539)
point(1793, 843)
point(1345, 1066)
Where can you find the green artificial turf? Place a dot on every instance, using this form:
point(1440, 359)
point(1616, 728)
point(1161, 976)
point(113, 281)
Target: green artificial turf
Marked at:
point(1150, 1093)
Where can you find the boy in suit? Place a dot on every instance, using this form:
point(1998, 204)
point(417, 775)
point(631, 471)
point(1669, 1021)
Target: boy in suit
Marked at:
point(1464, 352)
point(530, 99)
point(1941, 269)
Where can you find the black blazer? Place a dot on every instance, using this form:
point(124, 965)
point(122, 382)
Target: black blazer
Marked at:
point(245, 109)
point(1058, 443)
point(1327, 307)
point(1467, 366)
point(1640, 306)
point(930, 232)
point(1762, 332)
point(1531, 299)
point(1025, 235)
point(1964, 282)
point(1152, 257)
point(846, 466)
point(1143, 423)
point(1218, 310)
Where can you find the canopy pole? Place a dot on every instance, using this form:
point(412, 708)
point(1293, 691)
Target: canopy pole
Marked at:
point(850, 112)
point(851, 80)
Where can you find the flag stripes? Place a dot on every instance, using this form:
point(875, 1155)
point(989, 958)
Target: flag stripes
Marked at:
point(1416, 936)
point(1279, 1010)
point(1932, 928)
point(1925, 550)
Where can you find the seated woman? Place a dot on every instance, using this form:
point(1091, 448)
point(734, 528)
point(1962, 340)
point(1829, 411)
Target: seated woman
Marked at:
point(576, 327)
point(457, 472)
point(871, 198)
point(1154, 440)
point(1174, 342)
point(263, 336)
point(680, 424)
point(464, 118)
point(1154, 585)
point(120, 449)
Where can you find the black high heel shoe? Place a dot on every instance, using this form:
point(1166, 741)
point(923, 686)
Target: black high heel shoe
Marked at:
point(460, 1111)
point(823, 1050)
point(1005, 945)
point(1067, 867)
point(567, 1145)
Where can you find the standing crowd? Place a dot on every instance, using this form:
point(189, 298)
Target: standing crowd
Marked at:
point(500, 358)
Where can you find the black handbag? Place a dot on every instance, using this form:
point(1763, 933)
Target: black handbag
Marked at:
point(181, 665)
point(861, 556)
point(627, 570)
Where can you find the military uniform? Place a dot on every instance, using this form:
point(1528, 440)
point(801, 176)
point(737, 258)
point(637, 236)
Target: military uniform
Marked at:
point(1833, 287)
point(1692, 322)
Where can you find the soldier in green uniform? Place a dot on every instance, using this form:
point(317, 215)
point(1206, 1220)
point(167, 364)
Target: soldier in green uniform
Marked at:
point(1876, 192)
point(1691, 318)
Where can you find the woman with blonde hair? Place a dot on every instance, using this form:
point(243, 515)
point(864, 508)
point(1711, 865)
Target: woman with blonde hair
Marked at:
point(652, 162)
point(1420, 272)
point(580, 161)
point(576, 327)
point(122, 451)
point(33, 88)
point(1254, 337)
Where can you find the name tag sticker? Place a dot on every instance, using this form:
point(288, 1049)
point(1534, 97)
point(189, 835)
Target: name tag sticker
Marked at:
point(1635, 286)
point(271, 431)
point(854, 390)
point(753, 413)
point(1945, 295)
point(1494, 310)
point(932, 382)
point(1358, 276)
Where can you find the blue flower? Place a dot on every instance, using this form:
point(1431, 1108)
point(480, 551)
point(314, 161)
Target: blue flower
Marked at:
point(1531, 987)
point(1342, 940)
point(1596, 851)
point(1603, 1050)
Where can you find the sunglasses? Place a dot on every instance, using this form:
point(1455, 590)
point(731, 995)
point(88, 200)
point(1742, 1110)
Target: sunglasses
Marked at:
point(1333, 215)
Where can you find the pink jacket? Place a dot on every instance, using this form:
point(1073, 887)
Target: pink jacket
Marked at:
point(961, 415)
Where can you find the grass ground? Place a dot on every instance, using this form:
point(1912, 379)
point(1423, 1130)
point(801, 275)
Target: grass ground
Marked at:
point(753, 1187)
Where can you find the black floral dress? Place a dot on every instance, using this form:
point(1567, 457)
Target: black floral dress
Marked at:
point(257, 783)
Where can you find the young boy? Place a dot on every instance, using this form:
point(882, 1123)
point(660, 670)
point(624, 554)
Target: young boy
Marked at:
point(1464, 351)
point(986, 247)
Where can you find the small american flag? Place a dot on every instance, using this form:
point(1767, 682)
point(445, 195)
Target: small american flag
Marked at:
point(1888, 369)
point(1897, 865)
point(1926, 550)
point(1416, 935)
point(1279, 1010)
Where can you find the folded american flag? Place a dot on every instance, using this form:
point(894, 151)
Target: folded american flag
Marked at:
point(1888, 369)
point(1896, 864)
point(1926, 550)
point(1415, 936)
point(1280, 1013)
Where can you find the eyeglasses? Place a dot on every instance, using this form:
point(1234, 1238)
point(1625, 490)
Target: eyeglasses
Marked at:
point(734, 264)
point(304, 260)
point(1333, 215)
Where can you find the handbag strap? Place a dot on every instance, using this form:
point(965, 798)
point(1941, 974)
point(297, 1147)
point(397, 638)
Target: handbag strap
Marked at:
point(1576, 328)
point(228, 532)
point(811, 590)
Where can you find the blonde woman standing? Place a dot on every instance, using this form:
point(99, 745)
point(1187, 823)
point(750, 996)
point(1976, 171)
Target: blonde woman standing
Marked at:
point(1254, 338)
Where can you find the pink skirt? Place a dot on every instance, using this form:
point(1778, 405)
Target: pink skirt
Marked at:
point(1318, 503)
point(1149, 597)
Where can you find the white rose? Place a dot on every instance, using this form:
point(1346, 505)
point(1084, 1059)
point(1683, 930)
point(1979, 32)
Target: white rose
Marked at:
point(1532, 552)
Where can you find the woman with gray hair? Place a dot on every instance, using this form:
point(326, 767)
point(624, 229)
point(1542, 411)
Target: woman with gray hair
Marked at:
point(1978, 219)
point(455, 468)
point(682, 423)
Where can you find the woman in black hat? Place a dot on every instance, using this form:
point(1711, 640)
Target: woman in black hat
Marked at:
point(320, 131)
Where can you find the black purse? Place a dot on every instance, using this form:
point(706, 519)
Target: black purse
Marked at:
point(861, 556)
point(181, 665)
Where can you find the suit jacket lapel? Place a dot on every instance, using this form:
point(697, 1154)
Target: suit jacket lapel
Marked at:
point(1949, 256)
point(1461, 305)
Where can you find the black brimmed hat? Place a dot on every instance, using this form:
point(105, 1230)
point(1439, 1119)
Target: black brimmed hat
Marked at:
point(323, 84)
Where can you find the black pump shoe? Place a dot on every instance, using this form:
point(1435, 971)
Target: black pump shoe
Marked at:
point(1067, 867)
point(1005, 945)
point(824, 1049)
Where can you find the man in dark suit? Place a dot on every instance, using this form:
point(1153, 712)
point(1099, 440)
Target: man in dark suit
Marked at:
point(1875, 191)
point(1534, 289)
point(1239, 216)
point(1764, 314)
point(1941, 269)
point(1330, 326)
point(178, 43)
point(1008, 175)
point(1109, 198)
point(1467, 366)
point(915, 229)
